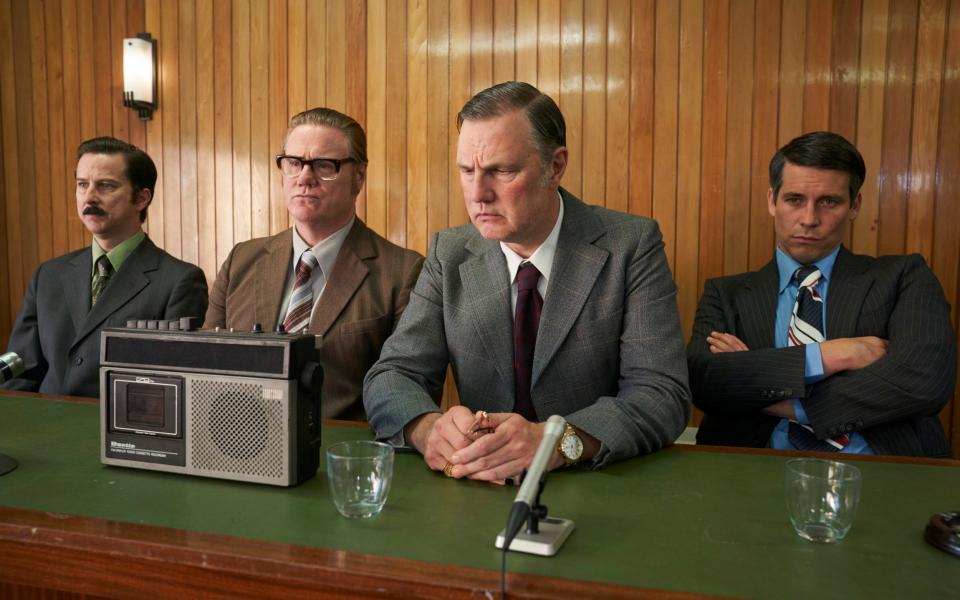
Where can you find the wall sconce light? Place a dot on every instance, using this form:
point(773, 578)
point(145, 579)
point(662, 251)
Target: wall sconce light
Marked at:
point(140, 74)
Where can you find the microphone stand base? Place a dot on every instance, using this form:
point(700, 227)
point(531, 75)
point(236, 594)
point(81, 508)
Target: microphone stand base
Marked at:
point(547, 541)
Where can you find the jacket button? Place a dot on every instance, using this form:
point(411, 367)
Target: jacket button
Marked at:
point(781, 394)
point(79, 361)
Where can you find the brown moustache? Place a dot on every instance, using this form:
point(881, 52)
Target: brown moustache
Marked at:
point(94, 210)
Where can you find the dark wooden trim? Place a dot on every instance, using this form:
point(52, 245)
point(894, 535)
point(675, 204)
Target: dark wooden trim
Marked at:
point(92, 556)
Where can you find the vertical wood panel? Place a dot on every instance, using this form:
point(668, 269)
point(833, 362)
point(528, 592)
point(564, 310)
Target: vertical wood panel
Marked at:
point(736, 237)
point(594, 100)
point(673, 110)
point(688, 160)
point(873, 59)
point(926, 119)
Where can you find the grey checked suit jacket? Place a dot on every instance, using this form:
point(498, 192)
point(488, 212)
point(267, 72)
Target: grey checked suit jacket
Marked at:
point(57, 334)
point(609, 353)
point(893, 403)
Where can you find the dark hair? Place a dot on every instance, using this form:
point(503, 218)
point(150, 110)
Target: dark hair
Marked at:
point(820, 150)
point(138, 166)
point(327, 117)
point(546, 120)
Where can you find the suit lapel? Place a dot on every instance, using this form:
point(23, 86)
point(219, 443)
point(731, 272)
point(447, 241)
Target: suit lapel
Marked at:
point(576, 266)
point(848, 286)
point(124, 286)
point(349, 271)
point(486, 287)
point(271, 277)
point(757, 307)
point(75, 282)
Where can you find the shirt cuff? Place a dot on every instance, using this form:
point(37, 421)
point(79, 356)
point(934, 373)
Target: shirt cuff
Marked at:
point(800, 415)
point(813, 364)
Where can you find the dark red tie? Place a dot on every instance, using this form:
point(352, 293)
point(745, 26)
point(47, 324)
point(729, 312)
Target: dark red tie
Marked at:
point(525, 325)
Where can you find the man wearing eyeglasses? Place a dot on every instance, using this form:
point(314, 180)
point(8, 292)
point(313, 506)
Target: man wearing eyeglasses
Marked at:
point(329, 274)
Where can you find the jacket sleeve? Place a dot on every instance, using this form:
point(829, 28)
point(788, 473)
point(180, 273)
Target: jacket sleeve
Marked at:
point(25, 341)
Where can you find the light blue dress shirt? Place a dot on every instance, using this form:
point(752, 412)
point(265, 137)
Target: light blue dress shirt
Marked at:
point(813, 370)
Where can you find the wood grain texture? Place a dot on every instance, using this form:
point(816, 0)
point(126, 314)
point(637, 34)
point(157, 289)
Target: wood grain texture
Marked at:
point(673, 111)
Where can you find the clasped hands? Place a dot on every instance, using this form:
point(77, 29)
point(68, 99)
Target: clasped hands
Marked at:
point(484, 446)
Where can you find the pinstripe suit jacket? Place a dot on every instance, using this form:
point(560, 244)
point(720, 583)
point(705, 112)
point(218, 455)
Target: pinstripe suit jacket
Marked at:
point(57, 333)
point(609, 352)
point(893, 403)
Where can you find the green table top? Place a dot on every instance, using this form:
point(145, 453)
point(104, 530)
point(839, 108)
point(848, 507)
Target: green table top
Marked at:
point(704, 522)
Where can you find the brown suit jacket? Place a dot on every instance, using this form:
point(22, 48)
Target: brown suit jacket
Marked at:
point(361, 303)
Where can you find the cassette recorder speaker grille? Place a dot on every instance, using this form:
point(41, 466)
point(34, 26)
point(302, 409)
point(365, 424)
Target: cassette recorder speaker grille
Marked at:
point(236, 430)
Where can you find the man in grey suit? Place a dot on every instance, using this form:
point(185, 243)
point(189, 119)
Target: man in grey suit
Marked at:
point(121, 276)
point(823, 349)
point(543, 305)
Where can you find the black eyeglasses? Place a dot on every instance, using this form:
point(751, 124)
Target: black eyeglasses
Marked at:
point(326, 169)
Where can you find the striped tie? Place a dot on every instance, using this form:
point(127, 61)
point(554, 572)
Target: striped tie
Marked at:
point(101, 278)
point(806, 327)
point(806, 324)
point(301, 300)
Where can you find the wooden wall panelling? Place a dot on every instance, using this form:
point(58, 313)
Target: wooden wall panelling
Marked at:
point(548, 48)
point(395, 92)
point(869, 139)
point(460, 91)
point(713, 163)
point(42, 210)
point(570, 99)
point(642, 42)
point(297, 51)
point(764, 129)
point(439, 170)
point(240, 203)
point(71, 127)
point(188, 175)
point(793, 30)
point(9, 182)
point(376, 121)
point(156, 220)
point(736, 231)
point(481, 44)
point(206, 141)
point(355, 85)
point(666, 91)
point(337, 55)
point(926, 122)
point(526, 45)
point(689, 134)
point(226, 66)
point(504, 37)
point(264, 177)
point(417, 141)
point(21, 217)
point(277, 105)
point(594, 121)
point(946, 249)
point(617, 126)
point(897, 105)
point(816, 92)
point(60, 175)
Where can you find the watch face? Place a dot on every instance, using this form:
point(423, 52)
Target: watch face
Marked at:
point(572, 447)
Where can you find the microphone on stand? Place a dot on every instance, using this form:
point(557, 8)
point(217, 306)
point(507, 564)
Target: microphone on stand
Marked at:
point(11, 365)
point(526, 498)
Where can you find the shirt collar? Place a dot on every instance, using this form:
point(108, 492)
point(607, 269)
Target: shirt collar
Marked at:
point(324, 251)
point(120, 252)
point(787, 266)
point(542, 257)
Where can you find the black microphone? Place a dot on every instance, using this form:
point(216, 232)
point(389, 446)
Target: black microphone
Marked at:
point(11, 365)
point(527, 496)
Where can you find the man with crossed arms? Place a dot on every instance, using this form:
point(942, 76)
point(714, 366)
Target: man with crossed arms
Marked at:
point(823, 349)
point(542, 305)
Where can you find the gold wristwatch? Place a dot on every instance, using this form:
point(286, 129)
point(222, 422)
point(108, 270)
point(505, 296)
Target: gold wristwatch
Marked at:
point(570, 446)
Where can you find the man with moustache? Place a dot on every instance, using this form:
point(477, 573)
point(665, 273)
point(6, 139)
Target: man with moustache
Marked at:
point(122, 276)
point(329, 274)
point(542, 305)
point(823, 349)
